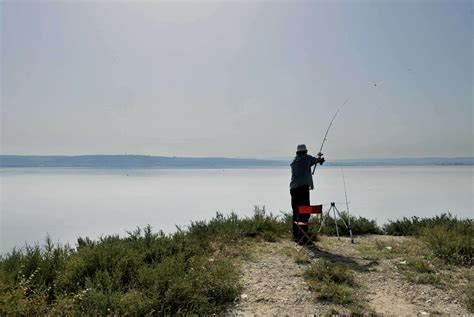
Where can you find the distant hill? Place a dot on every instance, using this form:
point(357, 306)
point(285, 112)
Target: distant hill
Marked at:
point(144, 161)
point(132, 161)
point(427, 161)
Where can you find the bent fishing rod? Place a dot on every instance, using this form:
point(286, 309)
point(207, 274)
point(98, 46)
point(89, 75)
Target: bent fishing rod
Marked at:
point(327, 131)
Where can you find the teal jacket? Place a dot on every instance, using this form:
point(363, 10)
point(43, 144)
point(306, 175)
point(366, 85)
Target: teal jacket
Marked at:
point(301, 171)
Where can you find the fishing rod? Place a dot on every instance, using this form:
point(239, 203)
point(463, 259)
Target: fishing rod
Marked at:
point(327, 131)
point(332, 120)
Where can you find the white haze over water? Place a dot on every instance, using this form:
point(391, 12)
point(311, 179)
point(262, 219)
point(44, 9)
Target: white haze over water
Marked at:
point(68, 203)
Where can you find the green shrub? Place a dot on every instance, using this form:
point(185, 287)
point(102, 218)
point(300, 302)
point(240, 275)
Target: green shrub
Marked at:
point(420, 266)
point(325, 270)
point(338, 294)
point(420, 271)
point(230, 228)
point(414, 226)
point(359, 225)
point(141, 274)
point(332, 281)
point(449, 238)
point(453, 243)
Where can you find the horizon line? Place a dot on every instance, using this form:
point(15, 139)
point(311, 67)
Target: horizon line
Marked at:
point(239, 158)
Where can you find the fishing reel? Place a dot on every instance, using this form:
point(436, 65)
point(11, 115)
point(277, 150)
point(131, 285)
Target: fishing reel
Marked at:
point(321, 158)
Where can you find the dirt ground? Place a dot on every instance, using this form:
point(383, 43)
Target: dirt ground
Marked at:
point(274, 285)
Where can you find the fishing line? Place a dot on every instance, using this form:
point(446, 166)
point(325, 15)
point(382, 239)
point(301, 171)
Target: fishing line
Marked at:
point(378, 84)
point(347, 206)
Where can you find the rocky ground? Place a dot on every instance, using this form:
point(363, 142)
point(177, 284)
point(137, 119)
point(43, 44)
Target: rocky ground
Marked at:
point(272, 277)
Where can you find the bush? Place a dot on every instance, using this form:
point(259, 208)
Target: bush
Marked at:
point(332, 281)
point(453, 243)
point(230, 229)
point(359, 225)
point(143, 273)
point(325, 270)
point(414, 226)
point(449, 238)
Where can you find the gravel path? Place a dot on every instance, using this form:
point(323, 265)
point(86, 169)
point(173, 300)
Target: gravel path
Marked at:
point(387, 292)
point(274, 285)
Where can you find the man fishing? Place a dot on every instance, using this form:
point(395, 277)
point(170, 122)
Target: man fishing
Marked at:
point(300, 185)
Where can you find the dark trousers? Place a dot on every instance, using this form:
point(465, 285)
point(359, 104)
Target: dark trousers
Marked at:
point(299, 197)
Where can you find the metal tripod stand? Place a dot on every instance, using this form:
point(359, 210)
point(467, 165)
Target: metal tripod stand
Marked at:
point(335, 210)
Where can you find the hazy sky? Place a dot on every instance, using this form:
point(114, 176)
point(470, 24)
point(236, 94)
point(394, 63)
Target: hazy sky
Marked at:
point(237, 78)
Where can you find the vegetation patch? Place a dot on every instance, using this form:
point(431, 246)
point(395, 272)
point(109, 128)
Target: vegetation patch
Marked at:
point(332, 282)
point(452, 243)
point(360, 225)
point(188, 272)
point(420, 266)
point(449, 238)
point(413, 226)
point(391, 249)
point(192, 271)
point(302, 257)
point(470, 296)
point(421, 272)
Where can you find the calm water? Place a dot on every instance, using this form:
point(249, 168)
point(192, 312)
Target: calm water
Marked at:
point(68, 203)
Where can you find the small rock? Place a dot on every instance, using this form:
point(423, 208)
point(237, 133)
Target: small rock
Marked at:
point(429, 301)
point(403, 262)
point(244, 296)
point(388, 248)
point(423, 313)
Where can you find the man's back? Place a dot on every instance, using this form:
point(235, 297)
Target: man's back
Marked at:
point(301, 171)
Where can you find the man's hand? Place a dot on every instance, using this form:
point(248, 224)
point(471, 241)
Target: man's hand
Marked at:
point(321, 158)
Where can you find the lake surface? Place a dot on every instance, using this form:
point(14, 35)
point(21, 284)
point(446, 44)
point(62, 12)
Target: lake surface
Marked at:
point(68, 203)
